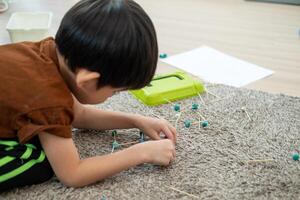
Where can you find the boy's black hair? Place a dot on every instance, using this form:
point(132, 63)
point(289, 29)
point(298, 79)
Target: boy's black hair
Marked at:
point(115, 38)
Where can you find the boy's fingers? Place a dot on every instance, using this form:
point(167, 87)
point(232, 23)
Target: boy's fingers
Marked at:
point(174, 131)
point(174, 153)
point(154, 136)
point(169, 134)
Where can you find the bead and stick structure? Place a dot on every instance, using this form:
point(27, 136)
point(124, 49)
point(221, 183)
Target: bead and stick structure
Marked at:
point(116, 145)
point(154, 94)
point(202, 122)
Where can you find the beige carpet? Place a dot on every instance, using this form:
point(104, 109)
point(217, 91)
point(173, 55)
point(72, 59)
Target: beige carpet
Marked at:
point(211, 163)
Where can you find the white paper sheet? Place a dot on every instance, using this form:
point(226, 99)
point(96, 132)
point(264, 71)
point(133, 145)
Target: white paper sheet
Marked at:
point(216, 67)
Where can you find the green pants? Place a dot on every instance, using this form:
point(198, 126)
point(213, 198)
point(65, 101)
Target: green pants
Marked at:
point(22, 165)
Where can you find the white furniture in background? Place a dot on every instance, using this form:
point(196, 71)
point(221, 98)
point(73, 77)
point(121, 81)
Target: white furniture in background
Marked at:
point(29, 26)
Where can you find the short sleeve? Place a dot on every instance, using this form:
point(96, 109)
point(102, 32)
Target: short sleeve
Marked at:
point(56, 121)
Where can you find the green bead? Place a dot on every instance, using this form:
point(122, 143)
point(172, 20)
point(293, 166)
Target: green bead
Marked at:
point(142, 137)
point(163, 55)
point(295, 156)
point(115, 145)
point(195, 106)
point(114, 133)
point(187, 123)
point(204, 123)
point(177, 107)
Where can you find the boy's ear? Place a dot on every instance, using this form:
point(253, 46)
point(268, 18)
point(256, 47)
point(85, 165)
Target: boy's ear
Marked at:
point(84, 77)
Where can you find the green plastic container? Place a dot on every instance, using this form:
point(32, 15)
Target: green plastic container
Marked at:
point(169, 87)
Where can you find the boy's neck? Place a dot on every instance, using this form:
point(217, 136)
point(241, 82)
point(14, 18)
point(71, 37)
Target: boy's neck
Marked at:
point(67, 75)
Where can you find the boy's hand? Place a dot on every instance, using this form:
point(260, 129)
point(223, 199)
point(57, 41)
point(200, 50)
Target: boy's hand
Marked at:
point(161, 152)
point(153, 127)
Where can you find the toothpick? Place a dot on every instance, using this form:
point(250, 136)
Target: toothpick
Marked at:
point(129, 143)
point(208, 92)
point(201, 99)
point(155, 115)
point(190, 195)
point(259, 161)
point(176, 122)
point(198, 122)
point(183, 109)
point(244, 109)
point(203, 118)
point(221, 99)
point(167, 100)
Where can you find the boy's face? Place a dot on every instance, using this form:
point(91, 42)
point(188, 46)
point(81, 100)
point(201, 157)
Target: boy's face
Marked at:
point(100, 95)
point(87, 91)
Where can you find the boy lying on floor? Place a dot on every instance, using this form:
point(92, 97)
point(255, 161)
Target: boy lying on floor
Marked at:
point(102, 47)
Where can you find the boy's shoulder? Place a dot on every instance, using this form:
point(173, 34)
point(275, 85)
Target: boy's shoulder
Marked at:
point(29, 74)
point(33, 94)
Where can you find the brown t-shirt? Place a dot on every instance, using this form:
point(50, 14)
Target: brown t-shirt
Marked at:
point(33, 95)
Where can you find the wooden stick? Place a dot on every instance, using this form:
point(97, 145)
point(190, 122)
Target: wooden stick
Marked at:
point(203, 118)
point(168, 100)
point(198, 122)
point(217, 100)
point(152, 113)
point(212, 94)
point(183, 110)
point(244, 109)
point(190, 195)
point(176, 122)
point(155, 115)
point(259, 161)
point(129, 143)
point(201, 99)
point(248, 115)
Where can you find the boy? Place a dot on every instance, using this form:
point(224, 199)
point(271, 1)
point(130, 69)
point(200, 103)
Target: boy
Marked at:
point(102, 47)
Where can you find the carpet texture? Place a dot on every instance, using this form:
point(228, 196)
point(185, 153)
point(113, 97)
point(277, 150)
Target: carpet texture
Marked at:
point(211, 163)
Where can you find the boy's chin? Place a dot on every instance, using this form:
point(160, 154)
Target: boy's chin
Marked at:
point(94, 101)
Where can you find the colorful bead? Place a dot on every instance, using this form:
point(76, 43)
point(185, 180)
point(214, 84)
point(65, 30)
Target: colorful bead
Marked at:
point(296, 156)
point(187, 123)
point(204, 123)
point(163, 55)
point(195, 106)
point(115, 145)
point(114, 133)
point(177, 107)
point(142, 137)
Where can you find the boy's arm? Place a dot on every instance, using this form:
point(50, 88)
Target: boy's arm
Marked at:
point(91, 118)
point(64, 159)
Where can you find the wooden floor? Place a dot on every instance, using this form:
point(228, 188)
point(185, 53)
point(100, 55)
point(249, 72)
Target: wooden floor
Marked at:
point(261, 33)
